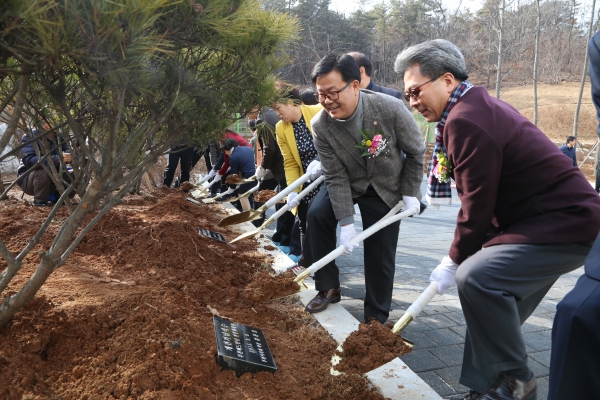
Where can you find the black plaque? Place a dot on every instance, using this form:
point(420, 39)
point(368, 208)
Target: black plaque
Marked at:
point(193, 201)
point(242, 348)
point(212, 235)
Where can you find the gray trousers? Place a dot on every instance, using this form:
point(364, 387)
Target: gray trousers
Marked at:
point(38, 184)
point(499, 287)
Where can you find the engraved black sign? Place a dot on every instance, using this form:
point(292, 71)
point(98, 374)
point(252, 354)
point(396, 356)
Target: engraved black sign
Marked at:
point(242, 348)
point(212, 235)
point(196, 202)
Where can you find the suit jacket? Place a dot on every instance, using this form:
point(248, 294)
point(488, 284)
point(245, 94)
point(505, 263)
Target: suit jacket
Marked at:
point(385, 90)
point(242, 161)
point(287, 144)
point(510, 194)
point(348, 174)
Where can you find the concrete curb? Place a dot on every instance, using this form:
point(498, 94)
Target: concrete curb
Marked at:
point(393, 380)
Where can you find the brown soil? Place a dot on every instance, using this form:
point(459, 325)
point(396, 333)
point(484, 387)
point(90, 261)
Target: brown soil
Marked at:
point(233, 179)
point(186, 186)
point(370, 347)
point(264, 195)
point(130, 314)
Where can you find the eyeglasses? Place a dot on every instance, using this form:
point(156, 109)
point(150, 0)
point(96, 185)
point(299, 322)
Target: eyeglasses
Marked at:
point(333, 95)
point(416, 91)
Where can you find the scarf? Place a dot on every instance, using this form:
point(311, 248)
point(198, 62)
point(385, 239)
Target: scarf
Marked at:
point(441, 192)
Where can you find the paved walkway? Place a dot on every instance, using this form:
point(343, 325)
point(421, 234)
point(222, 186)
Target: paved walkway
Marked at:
point(439, 331)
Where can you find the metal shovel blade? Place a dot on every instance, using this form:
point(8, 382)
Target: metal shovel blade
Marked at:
point(254, 232)
point(245, 216)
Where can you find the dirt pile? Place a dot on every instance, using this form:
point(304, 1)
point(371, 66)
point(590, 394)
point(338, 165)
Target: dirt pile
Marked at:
point(233, 179)
point(130, 314)
point(264, 195)
point(370, 347)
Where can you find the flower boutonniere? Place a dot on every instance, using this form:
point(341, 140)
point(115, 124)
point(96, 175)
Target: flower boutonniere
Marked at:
point(372, 145)
point(443, 169)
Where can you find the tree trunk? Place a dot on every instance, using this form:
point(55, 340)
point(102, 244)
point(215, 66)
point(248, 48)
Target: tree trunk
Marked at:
point(536, 62)
point(584, 75)
point(500, 49)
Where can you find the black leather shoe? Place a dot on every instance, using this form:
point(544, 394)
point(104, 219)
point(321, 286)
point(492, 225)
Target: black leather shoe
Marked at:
point(509, 388)
point(472, 395)
point(322, 299)
point(43, 204)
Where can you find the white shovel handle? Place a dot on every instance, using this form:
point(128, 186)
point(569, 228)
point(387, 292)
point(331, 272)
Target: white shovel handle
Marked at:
point(204, 179)
point(303, 193)
point(382, 223)
point(425, 297)
point(296, 184)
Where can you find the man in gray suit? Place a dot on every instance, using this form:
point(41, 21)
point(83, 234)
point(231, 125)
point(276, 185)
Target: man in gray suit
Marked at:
point(360, 169)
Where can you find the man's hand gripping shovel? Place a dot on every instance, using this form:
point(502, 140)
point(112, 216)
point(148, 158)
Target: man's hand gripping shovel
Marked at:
point(251, 215)
point(279, 213)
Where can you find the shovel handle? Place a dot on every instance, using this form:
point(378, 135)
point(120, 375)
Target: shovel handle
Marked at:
point(201, 181)
point(382, 223)
point(415, 308)
point(296, 184)
point(303, 193)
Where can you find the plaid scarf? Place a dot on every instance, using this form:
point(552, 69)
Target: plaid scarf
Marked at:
point(441, 192)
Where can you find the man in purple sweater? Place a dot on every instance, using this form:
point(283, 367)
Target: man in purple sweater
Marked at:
point(525, 218)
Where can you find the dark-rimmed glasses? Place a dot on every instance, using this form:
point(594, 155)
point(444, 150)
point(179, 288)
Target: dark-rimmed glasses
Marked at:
point(416, 91)
point(332, 96)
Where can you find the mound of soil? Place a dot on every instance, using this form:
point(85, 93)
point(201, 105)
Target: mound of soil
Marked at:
point(370, 347)
point(264, 195)
point(186, 186)
point(233, 179)
point(130, 314)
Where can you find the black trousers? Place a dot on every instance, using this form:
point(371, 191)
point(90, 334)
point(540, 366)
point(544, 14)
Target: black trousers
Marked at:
point(285, 223)
point(180, 155)
point(575, 357)
point(379, 251)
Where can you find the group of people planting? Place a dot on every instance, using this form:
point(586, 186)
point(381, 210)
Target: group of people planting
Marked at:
point(525, 218)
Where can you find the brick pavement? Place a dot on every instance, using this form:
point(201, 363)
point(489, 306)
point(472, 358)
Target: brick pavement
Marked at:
point(439, 331)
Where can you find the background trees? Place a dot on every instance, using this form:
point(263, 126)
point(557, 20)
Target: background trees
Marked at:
point(499, 31)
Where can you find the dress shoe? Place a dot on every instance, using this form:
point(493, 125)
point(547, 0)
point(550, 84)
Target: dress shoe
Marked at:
point(509, 388)
point(322, 299)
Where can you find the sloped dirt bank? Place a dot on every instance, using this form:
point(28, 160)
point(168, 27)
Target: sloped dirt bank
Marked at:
point(130, 314)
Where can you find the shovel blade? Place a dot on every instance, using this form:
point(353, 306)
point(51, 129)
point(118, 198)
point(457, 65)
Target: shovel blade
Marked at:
point(247, 235)
point(245, 216)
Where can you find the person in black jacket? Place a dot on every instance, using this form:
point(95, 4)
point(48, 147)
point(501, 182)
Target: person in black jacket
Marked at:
point(365, 67)
point(38, 182)
point(575, 346)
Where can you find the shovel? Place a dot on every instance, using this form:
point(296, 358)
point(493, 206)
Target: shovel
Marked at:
point(241, 196)
point(251, 215)
point(388, 219)
point(410, 314)
point(213, 199)
point(250, 179)
point(279, 213)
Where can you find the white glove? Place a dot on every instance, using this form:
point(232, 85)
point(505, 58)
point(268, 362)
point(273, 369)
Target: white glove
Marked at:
point(216, 179)
point(411, 202)
point(260, 173)
point(444, 274)
point(212, 173)
point(314, 169)
point(229, 191)
point(292, 202)
point(348, 232)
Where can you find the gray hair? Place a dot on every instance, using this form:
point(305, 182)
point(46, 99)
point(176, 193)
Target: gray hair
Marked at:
point(435, 58)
